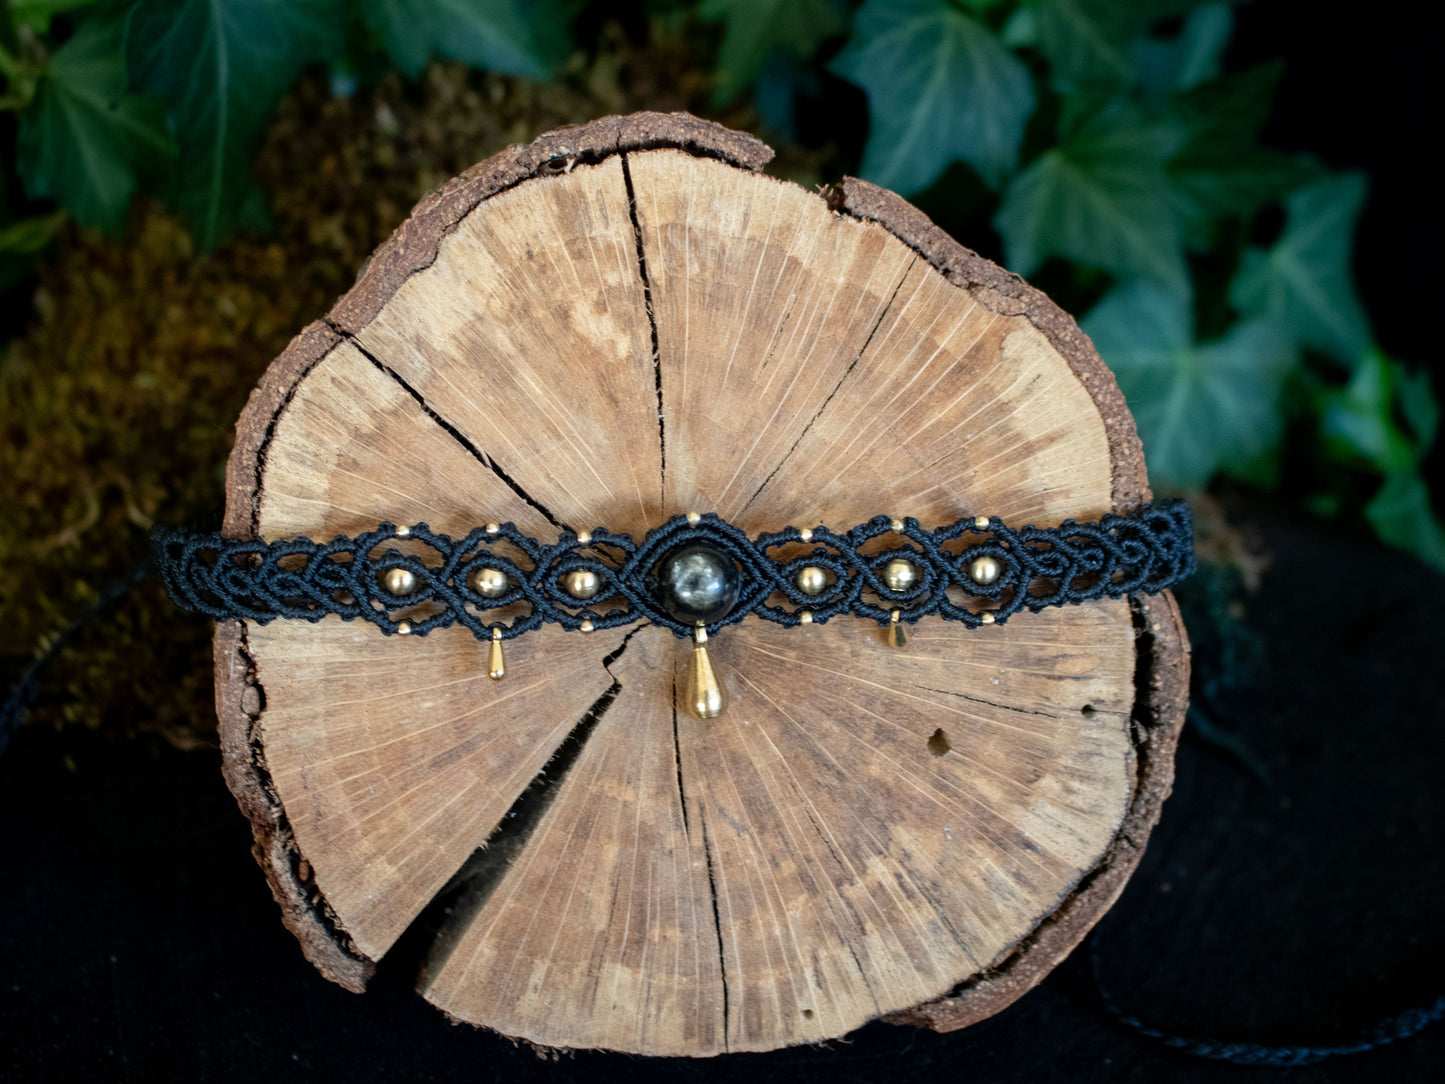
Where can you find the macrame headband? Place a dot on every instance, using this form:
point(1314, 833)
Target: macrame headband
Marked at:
point(694, 574)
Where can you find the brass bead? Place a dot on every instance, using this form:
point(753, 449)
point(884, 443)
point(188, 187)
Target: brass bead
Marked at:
point(899, 574)
point(706, 698)
point(981, 522)
point(806, 617)
point(811, 580)
point(985, 618)
point(805, 535)
point(895, 525)
point(584, 538)
point(494, 528)
point(489, 582)
point(897, 631)
point(496, 663)
point(397, 581)
point(983, 569)
point(582, 583)
point(694, 518)
point(403, 628)
point(586, 626)
point(402, 532)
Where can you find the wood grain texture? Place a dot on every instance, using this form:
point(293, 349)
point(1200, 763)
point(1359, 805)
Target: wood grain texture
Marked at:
point(652, 326)
point(602, 932)
point(393, 781)
point(538, 291)
point(842, 357)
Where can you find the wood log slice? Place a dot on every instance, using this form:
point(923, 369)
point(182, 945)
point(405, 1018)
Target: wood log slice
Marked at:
point(614, 324)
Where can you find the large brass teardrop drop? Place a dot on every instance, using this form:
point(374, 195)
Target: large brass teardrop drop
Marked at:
point(705, 696)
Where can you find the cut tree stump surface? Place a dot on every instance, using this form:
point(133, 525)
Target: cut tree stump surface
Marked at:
point(614, 324)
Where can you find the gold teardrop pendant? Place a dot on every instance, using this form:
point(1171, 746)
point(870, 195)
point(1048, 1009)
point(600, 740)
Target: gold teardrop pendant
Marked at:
point(705, 696)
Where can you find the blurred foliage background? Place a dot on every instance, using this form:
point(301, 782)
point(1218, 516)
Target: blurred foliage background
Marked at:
point(186, 183)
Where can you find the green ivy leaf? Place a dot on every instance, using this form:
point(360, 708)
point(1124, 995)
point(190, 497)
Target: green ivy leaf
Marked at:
point(1304, 280)
point(1359, 420)
point(940, 87)
point(1418, 405)
point(755, 30)
point(1221, 171)
point(1402, 517)
point(1100, 199)
point(30, 235)
point(1087, 42)
point(1199, 408)
point(1090, 44)
point(1188, 59)
point(221, 66)
point(83, 140)
point(1228, 112)
point(504, 36)
point(1020, 30)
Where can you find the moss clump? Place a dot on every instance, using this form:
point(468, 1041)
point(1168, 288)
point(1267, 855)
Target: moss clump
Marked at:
point(118, 402)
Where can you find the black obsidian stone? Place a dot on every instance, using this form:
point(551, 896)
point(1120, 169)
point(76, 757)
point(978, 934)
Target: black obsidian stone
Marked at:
point(698, 584)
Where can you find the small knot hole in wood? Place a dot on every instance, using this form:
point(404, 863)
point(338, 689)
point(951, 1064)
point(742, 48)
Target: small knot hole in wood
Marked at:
point(938, 743)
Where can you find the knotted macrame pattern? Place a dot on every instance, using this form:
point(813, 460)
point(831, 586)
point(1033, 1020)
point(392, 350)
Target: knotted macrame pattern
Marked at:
point(1037, 567)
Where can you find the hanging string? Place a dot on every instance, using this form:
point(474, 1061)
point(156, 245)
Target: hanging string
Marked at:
point(25, 691)
point(1390, 1030)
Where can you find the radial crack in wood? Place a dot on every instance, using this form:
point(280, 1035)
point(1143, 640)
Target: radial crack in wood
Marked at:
point(844, 358)
point(433, 936)
point(856, 871)
point(393, 783)
point(539, 282)
point(601, 934)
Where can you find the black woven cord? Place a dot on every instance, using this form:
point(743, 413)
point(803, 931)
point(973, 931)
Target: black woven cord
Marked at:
point(1146, 551)
point(27, 689)
point(1243, 1052)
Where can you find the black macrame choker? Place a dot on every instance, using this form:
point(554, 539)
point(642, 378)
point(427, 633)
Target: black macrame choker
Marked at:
point(694, 574)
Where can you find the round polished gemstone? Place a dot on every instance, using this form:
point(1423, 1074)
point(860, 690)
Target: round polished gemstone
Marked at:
point(698, 584)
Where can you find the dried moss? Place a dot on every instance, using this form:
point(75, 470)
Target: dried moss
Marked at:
point(119, 401)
